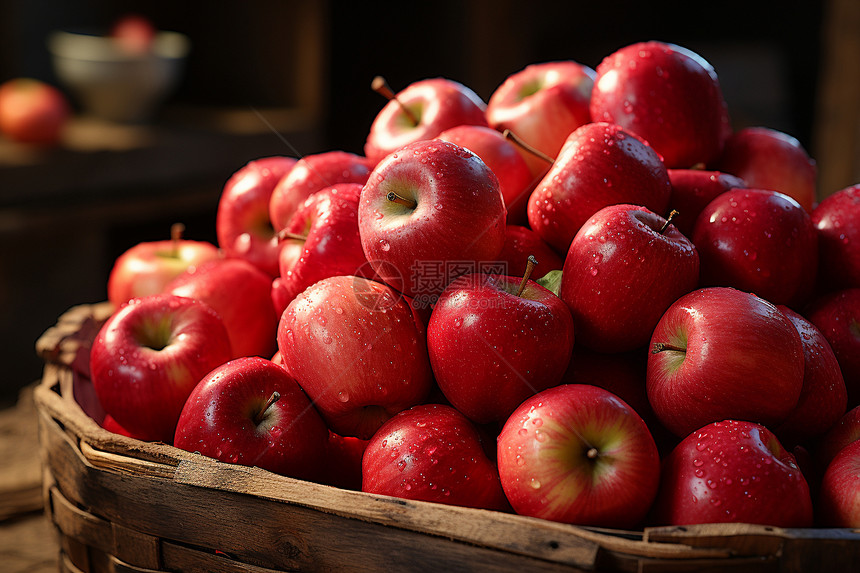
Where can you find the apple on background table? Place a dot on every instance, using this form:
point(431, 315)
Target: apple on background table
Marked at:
point(33, 112)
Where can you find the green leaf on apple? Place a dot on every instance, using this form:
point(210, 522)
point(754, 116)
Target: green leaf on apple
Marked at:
point(551, 281)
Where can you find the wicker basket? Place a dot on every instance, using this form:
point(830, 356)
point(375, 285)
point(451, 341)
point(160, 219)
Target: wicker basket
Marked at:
point(124, 505)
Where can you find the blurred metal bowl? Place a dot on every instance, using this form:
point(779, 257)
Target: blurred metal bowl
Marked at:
point(112, 83)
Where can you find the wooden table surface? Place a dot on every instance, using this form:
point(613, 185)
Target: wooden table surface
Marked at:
point(28, 541)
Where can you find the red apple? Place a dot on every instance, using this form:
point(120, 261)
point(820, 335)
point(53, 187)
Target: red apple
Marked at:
point(146, 268)
point(491, 346)
point(310, 174)
point(542, 104)
point(520, 243)
point(720, 353)
point(321, 241)
point(433, 105)
point(578, 454)
point(503, 158)
point(133, 33)
point(837, 316)
point(242, 295)
point(599, 165)
point(242, 221)
point(624, 268)
point(32, 111)
point(732, 472)
point(428, 213)
point(758, 241)
point(842, 433)
point(837, 219)
point(343, 464)
point(250, 412)
point(823, 396)
point(111, 425)
point(355, 348)
point(432, 453)
point(149, 355)
point(839, 501)
point(669, 96)
point(693, 189)
point(770, 159)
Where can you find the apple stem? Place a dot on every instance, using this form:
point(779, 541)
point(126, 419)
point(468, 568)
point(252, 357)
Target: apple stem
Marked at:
point(176, 232)
point(672, 215)
point(380, 86)
point(661, 346)
point(534, 151)
point(530, 266)
point(592, 454)
point(283, 234)
point(395, 198)
point(258, 419)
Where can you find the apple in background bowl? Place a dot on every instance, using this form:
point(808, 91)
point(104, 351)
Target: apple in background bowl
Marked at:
point(249, 411)
point(149, 356)
point(148, 267)
point(242, 222)
point(32, 111)
point(667, 95)
point(541, 105)
point(421, 111)
point(579, 454)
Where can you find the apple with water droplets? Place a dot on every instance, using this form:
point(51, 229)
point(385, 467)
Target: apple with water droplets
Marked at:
point(759, 241)
point(542, 104)
point(839, 497)
point(599, 165)
point(668, 95)
point(430, 212)
point(357, 349)
point(693, 189)
point(313, 173)
point(732, 472)
point(521, 243)
point(242, 221)
point(720, 353)
point(422, 111)
point(769, 159)
point(623, 269)
point(495, 340)
point(149, 356)
point(579, 454)
point(837, 219)
point(249, 411)
point(840, 434)
point(837, 316)
point(431, 452)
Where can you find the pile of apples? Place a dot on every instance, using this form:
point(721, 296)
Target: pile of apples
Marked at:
point(588, 300)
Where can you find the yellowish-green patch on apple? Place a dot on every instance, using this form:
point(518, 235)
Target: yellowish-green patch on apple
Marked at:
point(530, 88)
point(404, 122)
point(675, 349)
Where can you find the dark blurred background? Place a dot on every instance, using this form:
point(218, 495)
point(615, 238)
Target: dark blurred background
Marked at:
point(290, 77)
